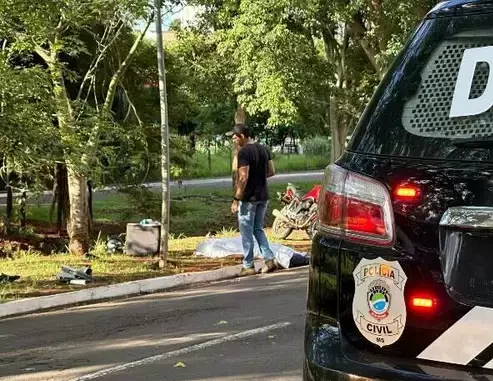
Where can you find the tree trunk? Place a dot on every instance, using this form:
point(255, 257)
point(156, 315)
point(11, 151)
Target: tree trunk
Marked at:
point(209, 157)
point(358, 31)
point(163, 97)
point(338, 131)
point(23, 209)
point(79, 212)
point(240, 115)
point(63, 202)
point(10, 202)
point(77, 183)
point(89, 203)
point(59, 204)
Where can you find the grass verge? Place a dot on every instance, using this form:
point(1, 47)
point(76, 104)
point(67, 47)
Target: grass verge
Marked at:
point(38, 272)
point(220, 164)
point(193, 216)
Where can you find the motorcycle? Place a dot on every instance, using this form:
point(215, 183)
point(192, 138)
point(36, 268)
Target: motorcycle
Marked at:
point(299, 212)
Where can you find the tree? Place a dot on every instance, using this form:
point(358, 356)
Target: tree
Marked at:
point(206, 82)
point(51, 29)
point(310, 63)
point(293, 62)
point(28, 142)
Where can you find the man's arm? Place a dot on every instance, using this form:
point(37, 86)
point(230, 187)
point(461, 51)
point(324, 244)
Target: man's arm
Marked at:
point(242, 182)
point(271, 171)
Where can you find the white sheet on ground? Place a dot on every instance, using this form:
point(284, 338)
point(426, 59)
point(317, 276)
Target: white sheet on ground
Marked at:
point(225, 247)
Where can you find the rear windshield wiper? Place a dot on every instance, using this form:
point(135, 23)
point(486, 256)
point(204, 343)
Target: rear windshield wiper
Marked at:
point(474, 143)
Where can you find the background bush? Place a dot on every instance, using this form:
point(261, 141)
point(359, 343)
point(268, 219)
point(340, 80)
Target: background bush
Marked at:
point(317, 146)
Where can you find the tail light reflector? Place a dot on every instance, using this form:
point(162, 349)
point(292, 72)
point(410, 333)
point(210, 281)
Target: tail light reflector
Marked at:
point(356, 208)
point(423, 303)
point(406, 192)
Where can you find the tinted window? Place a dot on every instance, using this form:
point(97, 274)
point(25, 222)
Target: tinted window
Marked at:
point(413, 112)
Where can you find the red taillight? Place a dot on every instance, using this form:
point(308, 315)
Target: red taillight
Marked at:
point(330, 209)
point(406, 192)
point(364, 217)
point(356, 208)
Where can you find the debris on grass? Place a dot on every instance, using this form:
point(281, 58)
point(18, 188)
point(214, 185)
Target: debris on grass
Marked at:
point(4, 278)
point(73, 276)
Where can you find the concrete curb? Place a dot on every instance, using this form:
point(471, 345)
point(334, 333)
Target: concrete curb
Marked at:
point(30, 305)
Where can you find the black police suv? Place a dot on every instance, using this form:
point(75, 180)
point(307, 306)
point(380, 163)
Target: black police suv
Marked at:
point(401, 274)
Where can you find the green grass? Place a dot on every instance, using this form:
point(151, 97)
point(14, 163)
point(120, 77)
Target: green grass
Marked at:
point(38, 272)
point(193, 213)
point(193, 216)
point(221, 164)
point(294, 163)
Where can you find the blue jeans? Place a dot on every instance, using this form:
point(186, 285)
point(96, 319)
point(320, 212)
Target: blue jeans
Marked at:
point(251, 217)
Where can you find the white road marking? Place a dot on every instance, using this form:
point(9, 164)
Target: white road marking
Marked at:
point(179, 352)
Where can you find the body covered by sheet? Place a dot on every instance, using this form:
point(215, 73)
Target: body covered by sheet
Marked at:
point(225, 247)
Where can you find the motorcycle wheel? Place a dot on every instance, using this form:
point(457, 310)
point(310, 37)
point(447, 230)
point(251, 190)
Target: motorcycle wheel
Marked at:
point(312, 229)
point(280, 229)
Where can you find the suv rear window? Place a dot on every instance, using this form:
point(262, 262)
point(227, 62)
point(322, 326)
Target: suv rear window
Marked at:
point(437, 99)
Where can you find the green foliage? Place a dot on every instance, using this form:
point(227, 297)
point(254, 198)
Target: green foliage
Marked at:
point(272, 60)
point(284, 60)
point(220, 164)
point(203, 84)
point(311, 64)
point(317, 146)
point(143, 202)
point(180, 154)
point(29, 141)
point(84, 44)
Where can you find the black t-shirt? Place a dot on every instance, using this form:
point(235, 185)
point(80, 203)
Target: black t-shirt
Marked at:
point(256, 157)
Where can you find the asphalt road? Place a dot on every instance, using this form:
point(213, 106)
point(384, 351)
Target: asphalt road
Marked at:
point(222, 182)
point(244, 329)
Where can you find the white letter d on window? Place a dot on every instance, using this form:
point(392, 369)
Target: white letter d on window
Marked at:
point(461, 104)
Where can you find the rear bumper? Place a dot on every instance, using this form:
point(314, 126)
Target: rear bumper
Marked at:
point(328, 356)
point(313, 372)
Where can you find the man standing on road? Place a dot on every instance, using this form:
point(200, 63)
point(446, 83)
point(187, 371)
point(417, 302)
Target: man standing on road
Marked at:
point(251, 198)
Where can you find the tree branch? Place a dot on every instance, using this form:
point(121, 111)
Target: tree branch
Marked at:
point(97, 60)
point(359, 31)
point(60, 28)
point(96, 100)
point(131, 107)
point(43, 53)
point(81, 108)
point(116, 79)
